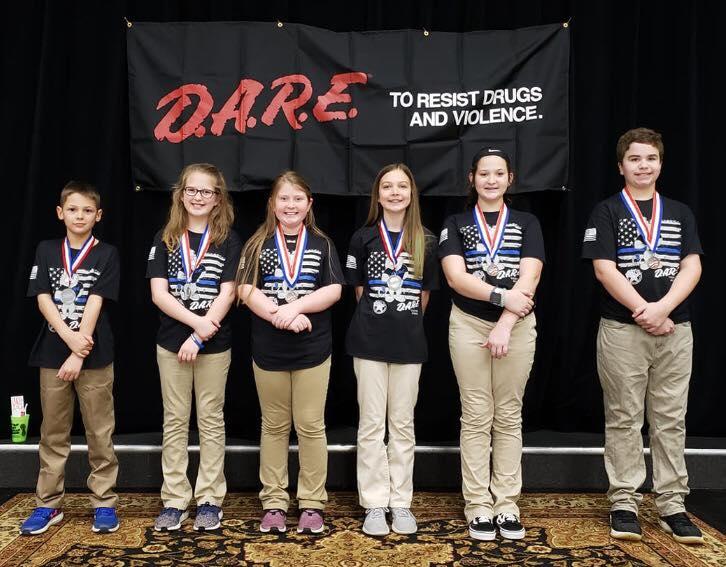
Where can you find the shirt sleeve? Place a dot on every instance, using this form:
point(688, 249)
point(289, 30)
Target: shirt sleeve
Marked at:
point(355, 261)
point(232, 257)
point(431, 264)
point(107, 284)
point(690, 242)
point(330, 270)
point(156, 265)
point(450, 239)
point(39, 282)
point(532, 240)
point(599, 241)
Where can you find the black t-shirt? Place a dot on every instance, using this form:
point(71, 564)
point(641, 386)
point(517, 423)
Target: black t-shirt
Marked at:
point(98, 274)
point(522, 239)
point(219, 265)
point(279, 349)
point(388, 322)
point(612, 234)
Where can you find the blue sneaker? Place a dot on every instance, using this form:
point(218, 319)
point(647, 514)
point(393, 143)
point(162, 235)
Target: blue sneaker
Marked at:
point(170, 519)
point(40, 520)
point(105, 520)
point(208, 517)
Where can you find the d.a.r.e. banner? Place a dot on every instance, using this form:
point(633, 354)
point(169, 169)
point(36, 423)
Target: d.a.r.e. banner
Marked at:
point(258, 98)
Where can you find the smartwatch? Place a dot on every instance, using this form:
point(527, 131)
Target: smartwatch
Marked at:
point(496, 297)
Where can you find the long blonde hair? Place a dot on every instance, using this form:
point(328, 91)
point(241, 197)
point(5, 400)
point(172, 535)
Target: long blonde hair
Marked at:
point(248, 271)
point(220, 219)
point(414, 238)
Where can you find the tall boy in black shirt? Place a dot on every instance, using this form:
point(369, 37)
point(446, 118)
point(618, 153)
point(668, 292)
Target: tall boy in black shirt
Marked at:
point(71, 278)
point(645, 251)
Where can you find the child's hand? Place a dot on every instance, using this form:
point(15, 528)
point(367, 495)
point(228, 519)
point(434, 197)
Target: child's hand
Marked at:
point(71, 368)
point(188, 351)
point(285, 315)
point(79, 343)
point(300, 323)
point(498, 341)
point(206, 328)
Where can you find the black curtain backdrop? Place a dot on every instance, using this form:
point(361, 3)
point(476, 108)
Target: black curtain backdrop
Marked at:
point(64, 115)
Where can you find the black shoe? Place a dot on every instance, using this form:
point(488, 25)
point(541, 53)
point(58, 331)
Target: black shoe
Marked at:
point(509, 526)
point(681, 528)
point(624, 525)
point(482, 528)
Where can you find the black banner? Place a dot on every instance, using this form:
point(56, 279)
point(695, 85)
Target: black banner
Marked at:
point(257, 98)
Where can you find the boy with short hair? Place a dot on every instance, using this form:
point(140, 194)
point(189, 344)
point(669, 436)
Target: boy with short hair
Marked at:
point(645, 250)
point(74, 351)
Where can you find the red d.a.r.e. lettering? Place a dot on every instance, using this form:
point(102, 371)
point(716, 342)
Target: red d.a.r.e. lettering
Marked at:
point(239, 105)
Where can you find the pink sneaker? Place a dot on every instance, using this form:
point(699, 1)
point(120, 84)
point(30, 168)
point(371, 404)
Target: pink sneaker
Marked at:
point(310, 522)
point(273, 521)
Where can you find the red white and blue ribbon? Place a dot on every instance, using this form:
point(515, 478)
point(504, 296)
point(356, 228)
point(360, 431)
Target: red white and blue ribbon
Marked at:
point(492, 241)
point(649, 232)
point(188, 266)
point(291, 267)
point(393, 251)
point(70, 265)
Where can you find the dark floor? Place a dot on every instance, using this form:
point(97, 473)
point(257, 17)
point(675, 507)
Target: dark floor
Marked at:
point(708, 505)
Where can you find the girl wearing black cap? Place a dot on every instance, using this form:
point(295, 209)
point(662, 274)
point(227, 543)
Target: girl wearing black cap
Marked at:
point(492, 257)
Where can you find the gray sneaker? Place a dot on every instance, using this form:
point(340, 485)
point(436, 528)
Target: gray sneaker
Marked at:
point(375, 523)
point(208, 517)
point(403, 521)
point(170, 519)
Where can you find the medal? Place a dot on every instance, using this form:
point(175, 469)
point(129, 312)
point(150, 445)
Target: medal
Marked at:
point(291, 267)
point(650, 233)
point(69, 277)
point(393, 251)
point(189, 259)
point(490, 242)
point(394, 282)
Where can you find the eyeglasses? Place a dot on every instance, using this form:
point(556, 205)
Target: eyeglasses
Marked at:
point(205, 193)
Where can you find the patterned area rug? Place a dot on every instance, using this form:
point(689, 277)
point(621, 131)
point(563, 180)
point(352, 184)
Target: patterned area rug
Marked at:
point(562, 529)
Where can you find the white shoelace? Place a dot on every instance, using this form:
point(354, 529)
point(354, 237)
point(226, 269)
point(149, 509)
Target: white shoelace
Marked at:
point(501, 518)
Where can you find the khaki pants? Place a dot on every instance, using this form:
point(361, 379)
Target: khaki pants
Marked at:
point(94, 389)
point(491, 393)
point(207, 376)
point(385, 474)
point(640, 373)
point(298, 397)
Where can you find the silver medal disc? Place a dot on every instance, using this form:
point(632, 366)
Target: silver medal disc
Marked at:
point(395, 282)
point(67, 296)
point(654, 263)
point(493, 269)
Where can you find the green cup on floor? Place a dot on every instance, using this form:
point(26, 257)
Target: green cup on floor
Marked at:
point(19, 428)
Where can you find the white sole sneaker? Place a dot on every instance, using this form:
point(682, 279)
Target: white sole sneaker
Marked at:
point(680, 539)
point(175, 527)
point(52, 522)
point(483, 536)
point(512, 534)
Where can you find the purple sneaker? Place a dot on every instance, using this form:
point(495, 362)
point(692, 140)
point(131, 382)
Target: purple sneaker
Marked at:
point(274, 521)
point(310, 522)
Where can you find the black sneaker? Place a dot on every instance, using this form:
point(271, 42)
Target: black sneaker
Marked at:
point(624, 525)
point(681, 528)
point(482, 528)
point(510, 527)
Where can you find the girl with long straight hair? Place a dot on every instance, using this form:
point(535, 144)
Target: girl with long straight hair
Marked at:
point(392, 264)
point(191, 266)
point(289, 276)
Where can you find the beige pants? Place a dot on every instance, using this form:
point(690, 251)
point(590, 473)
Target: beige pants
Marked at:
point(207, 377)
point(640, 373)
point(491, 394)
point(385, 474)
point(94, 389)
point(298, 397)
